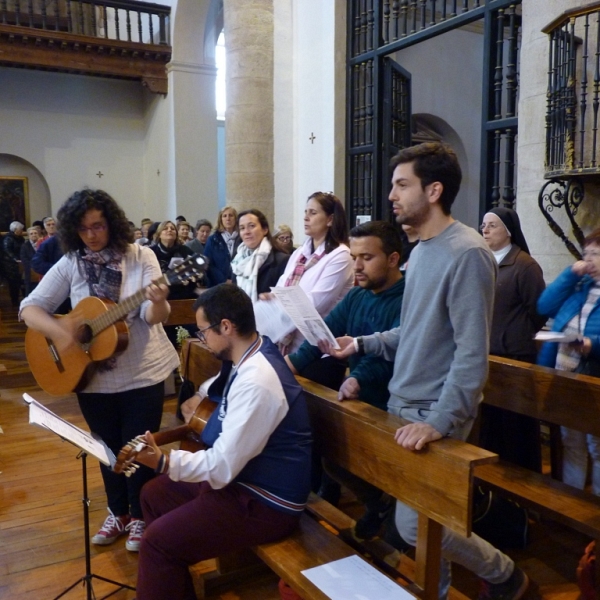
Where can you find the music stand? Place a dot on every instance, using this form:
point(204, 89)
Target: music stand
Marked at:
point(86, 580)
point(87, 444)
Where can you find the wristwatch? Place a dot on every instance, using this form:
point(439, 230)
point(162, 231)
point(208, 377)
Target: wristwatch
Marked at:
point(359, 345)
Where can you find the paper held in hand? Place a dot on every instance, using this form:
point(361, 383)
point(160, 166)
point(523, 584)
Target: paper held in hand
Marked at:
point(301, 310)
point(558, 336)
point(44, 417)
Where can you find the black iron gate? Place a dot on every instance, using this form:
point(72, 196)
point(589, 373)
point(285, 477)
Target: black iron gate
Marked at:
point(379, 108)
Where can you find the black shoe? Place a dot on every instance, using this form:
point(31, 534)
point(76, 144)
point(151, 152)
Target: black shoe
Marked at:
point(368, 526)
point(512, 589)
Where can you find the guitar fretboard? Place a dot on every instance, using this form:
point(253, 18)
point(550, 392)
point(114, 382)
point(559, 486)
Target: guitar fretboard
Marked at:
point(118, 312)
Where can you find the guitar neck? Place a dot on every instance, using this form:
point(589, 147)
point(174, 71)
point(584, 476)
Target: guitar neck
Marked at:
point(119, 311)
point(170, 436)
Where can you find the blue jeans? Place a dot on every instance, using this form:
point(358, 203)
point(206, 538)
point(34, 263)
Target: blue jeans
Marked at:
point(473, 552)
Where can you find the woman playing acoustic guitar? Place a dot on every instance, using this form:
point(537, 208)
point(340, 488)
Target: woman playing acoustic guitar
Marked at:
point(124, 396)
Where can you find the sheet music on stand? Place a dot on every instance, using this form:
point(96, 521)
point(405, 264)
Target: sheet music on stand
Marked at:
point(44, 417)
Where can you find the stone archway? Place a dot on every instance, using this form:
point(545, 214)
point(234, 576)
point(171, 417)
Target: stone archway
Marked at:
point(39, 199)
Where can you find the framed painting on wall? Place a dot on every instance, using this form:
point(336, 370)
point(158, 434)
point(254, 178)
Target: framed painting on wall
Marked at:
point(14, 201)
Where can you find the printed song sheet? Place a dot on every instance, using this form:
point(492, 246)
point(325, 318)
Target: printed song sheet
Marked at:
point(44, 417)
point(353, 578)
point(300, 309)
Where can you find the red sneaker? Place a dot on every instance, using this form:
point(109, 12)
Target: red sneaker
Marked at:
point(112, 528)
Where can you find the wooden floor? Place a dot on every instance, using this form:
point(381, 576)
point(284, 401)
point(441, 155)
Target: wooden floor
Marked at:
point(41, 522)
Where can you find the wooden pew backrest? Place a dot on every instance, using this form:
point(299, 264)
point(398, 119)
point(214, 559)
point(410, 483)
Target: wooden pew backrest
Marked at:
point(436, 481)
point(558, 397)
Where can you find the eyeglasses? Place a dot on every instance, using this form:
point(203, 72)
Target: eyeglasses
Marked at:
point(200, 333)
point(284, 238)
point(95, 228)
point(489, 226)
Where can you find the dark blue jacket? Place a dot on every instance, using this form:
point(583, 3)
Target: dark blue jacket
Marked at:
point(219, 259)
point(47, 255)
point(282, 469)
point(562, 300)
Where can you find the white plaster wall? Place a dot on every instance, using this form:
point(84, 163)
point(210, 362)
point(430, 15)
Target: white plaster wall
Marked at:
point(450, 90)
point(192, 77)
point(72, 127)
point(545, 246)
point(306, 86)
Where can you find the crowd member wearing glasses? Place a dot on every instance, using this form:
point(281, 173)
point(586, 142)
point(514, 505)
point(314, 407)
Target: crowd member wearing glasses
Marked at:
point(258, 263)
point(251, 483)
point(170, 252)
point(285, 238)
point(520, 282)
point(322, 266)
point(124, 397)
point(573, 301)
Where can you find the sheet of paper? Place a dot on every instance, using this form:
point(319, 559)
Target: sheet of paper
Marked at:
point(353, 578)
point(44, 417)
point(557, 336)
point(272, 320)
point(304, 315)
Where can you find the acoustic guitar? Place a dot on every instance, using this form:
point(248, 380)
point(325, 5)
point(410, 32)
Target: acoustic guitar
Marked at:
point(188, 435)
point(101, 334)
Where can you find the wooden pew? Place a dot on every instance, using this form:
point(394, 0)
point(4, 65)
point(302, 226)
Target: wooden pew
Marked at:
point(559, 398)
point(436, 482)
point(182, 312)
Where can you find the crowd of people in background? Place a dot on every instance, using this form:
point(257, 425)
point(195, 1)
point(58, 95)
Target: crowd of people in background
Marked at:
point(28, 253)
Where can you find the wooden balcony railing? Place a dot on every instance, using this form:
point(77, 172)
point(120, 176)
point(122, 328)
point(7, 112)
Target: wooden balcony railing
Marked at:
point(114, 38)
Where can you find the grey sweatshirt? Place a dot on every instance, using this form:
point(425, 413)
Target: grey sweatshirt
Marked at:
point(440, 351)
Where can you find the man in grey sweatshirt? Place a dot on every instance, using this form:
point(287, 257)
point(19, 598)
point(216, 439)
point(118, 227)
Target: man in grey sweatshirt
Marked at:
point(440, 351)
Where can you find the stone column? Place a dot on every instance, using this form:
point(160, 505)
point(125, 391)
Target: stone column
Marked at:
point(249, 117)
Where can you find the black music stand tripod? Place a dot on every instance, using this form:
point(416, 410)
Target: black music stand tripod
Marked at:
point(86, 580)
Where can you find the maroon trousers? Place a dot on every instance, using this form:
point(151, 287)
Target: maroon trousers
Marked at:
point(190, 522)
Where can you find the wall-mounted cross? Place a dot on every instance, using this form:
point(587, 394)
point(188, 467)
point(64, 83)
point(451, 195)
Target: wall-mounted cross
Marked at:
point(100, 174)
point(312, 137)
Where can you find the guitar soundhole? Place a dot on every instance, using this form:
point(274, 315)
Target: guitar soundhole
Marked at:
point(84, 334)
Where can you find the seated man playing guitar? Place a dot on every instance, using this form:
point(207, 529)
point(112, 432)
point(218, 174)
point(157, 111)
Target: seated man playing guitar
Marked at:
point(251, 483)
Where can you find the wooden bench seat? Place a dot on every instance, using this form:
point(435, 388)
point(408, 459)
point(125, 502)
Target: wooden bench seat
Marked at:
point(437, 482)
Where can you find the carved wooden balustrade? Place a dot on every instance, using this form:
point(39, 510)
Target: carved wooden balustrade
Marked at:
point(112, 38)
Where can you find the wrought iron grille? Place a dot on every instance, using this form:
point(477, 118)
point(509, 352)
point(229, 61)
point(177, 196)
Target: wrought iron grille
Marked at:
point(379, 107)
point(573, 93)
point(498, 177)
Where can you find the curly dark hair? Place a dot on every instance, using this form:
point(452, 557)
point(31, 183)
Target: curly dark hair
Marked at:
point(73, 210)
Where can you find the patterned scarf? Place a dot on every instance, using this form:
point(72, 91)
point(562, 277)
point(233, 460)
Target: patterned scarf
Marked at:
point(229, 239)
point(246, 264)
point(103, 271)
point(301, 266)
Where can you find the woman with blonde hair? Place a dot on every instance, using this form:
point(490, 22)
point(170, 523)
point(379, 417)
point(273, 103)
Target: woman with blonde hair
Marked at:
point(221, 247)
point(170, 252)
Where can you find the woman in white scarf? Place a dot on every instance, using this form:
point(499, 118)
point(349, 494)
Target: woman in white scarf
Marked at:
point(259, 262)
